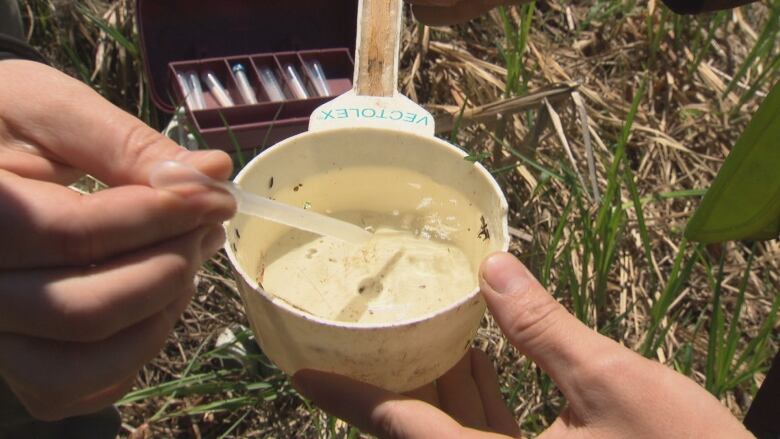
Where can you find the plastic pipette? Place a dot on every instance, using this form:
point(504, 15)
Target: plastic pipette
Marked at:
point(317, 75)
point(271, 85)
point(246, 90)
point(196, 89)
point(187, 92)
point(217, 90)
point(171, 173)
point(295, 82)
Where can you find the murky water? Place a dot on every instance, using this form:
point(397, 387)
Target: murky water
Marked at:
point(428, 241)
point(397, 275)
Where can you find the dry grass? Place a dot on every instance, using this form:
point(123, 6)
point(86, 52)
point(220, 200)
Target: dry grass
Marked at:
point(559, 99)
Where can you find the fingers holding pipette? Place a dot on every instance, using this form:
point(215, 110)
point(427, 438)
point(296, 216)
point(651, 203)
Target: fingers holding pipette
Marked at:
point(46, 225)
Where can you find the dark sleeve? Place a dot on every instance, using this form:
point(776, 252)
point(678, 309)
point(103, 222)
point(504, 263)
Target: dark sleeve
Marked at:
point(763, 417)
point(697, 6)
point(685, 6)
point(11, 48)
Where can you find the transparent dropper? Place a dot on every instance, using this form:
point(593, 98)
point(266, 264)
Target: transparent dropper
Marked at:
point(171, 173)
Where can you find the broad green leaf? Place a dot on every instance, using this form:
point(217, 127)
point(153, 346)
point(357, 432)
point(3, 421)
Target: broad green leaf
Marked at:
point(744, 200)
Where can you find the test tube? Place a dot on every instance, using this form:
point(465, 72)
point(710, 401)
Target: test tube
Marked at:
point(271, 85)
point(317, 75)
point(294, 79)
point(187, 92)
point(196, 90)
point(246, 90)
point(217, 90)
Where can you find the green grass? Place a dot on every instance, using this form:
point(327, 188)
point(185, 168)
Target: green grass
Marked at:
point(728, 365)
point(515, 49)
point(765, 53)
point(201, 378)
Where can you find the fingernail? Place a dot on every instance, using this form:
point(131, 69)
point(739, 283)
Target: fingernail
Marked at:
point(212, 241)
point(504, 274)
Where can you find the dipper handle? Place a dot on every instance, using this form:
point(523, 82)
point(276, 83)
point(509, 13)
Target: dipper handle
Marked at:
point(377, 47)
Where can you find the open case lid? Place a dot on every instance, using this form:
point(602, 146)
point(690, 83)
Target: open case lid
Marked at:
point(177, 30)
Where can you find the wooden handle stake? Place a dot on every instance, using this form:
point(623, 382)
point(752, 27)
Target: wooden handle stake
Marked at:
point(378, 43)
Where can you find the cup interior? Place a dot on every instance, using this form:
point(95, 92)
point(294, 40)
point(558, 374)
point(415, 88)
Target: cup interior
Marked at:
point(384, 180)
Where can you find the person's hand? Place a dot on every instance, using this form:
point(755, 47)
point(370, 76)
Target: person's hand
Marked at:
point(467, 395)
point(90, 285)
point(446, 12)
point(611, 391)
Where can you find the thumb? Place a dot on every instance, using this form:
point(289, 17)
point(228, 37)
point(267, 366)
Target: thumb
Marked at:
point(537, 325)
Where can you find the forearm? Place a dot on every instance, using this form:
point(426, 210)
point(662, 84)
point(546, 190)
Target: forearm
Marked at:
point(697, 6)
